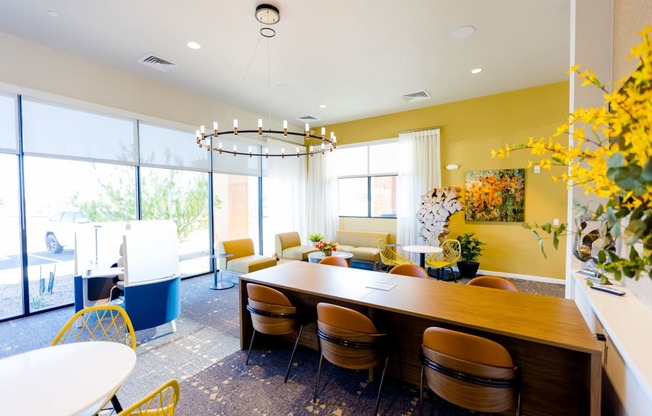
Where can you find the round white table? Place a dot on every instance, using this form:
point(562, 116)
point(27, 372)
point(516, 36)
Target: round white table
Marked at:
point(68, 379)
point(316, 256)
point(423, 250)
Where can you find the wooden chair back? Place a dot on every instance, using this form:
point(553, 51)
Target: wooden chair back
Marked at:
point(413, 270)
point(348, 339)
point(469, 371)
point(494, 282)
point(334, 261)
point(271, 311)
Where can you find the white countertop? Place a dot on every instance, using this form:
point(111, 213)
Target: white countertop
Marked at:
point(628, 324)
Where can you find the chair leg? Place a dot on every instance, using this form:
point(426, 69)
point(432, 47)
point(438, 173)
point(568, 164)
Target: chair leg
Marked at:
point(296, 343)
point(314, 395)
point(380, 387)
point(453, 274)
point(421, 392)
point(116, 404)
point(251, 343)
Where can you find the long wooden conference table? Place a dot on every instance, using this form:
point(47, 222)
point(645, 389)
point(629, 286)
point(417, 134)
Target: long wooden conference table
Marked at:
point(559, 358)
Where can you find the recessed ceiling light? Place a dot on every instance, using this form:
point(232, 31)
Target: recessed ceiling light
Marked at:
point(476, 70)
point(53, 13)
point(463, 32)
point(322, 105)
point(193, 45)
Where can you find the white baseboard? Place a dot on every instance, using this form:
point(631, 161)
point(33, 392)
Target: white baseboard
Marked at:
point(541, 279)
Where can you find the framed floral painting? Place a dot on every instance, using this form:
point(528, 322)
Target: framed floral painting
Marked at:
point(495, 195)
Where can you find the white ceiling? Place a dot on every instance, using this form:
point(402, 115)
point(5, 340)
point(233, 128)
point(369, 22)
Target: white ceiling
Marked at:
point(357, 57)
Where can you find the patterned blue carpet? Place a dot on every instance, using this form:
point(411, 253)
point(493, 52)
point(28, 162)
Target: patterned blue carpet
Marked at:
point(204, 355)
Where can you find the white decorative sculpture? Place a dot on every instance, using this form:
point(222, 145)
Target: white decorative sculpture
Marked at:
point(436, 207)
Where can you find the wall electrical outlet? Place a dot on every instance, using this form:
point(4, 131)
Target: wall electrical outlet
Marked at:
point(537, 168)
point(555, 221)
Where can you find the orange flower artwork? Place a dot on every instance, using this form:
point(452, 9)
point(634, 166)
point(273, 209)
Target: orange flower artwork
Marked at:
point(495, 195)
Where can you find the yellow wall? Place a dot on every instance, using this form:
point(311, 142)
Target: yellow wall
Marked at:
point(469, 130)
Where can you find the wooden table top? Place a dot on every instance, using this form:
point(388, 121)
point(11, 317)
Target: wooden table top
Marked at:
point(542, 319)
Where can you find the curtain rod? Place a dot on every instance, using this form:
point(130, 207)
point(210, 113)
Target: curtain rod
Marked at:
point(417, 130)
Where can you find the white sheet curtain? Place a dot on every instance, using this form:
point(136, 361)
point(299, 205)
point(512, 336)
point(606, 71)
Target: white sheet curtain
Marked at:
point(284, 196)
point(322, 196)
point(419, 172)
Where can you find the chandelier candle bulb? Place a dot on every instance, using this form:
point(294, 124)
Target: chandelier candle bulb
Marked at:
point(282, 152)
point(311, 138)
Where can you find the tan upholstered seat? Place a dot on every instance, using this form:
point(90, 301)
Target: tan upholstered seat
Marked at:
point(272, 313)
point(348, 339)
point(494, 282)
point(334, 261)
point(469, 371)
point(288, 246)
point(413, 270)
point(244, 259)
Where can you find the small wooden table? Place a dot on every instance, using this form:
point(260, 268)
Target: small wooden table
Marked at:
point(68, 379)
point(423, 250)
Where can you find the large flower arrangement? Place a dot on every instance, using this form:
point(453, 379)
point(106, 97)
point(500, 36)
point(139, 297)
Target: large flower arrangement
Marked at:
point(610, 158)
point(326, 247)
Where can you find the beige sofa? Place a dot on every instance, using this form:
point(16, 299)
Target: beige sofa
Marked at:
point(288, 246)
point(362, 244)
point(244, 259)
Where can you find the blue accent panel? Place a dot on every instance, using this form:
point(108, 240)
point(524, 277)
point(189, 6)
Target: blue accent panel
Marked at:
point(78, 283)
point(153, 304)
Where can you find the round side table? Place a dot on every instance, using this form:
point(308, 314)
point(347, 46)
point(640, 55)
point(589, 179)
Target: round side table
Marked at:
point(218, 282)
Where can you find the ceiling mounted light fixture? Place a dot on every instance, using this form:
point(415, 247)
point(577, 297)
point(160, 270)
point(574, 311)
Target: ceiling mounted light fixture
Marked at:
point(267, 15)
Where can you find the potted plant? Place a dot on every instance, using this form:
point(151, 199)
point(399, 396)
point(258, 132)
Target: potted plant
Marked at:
point(315, 238)
point(470, 250)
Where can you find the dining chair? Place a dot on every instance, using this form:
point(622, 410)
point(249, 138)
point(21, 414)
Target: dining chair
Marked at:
point(272, 313)
point(334, 261)
point(413, 270)
point(468, 371)
point(389, 257)
point(449, 255)
point(350, 340)
point(99, 323)
point(160, 402)
point(494, 282)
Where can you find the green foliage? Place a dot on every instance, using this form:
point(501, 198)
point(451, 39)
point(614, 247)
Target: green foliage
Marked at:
point(315, 237)
point(164, 196)
point(470, 247)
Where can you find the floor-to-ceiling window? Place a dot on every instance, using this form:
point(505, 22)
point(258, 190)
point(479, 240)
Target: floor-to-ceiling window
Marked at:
point(74, 177)
point(174, 186)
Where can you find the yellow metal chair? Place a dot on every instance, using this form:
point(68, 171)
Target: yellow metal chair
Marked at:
point(160, 402)
point(389, 257)
point(99, 323)
point(449, 255)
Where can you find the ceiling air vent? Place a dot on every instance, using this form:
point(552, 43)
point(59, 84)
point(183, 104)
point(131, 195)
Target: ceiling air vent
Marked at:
point(157, 62)
point(308, 118)
point(416, 96)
